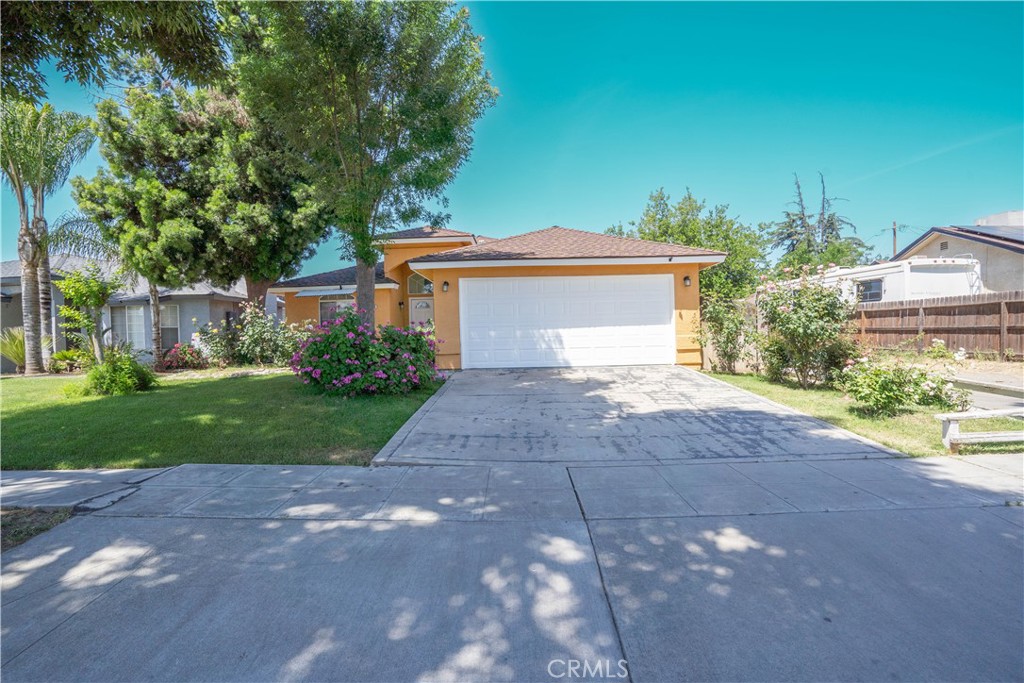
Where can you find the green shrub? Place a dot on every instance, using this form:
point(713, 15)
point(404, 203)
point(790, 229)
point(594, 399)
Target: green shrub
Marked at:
point(724, 327)
point(887, 386)
point(12, 346)
point(256, 339)
point(806, 323)
point(119, 373)
point(71, 360)
point(937, 350)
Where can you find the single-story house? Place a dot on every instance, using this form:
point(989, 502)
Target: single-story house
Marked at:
point(999, 249)
point(127, 315)
point(549, 298)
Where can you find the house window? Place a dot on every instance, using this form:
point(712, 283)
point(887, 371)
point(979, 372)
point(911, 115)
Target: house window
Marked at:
point(128, 325)
point(332, 306)
point(169, 335)
point(420, 285)
point(869, 290)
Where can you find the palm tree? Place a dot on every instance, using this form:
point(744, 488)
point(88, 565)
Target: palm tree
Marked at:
point(38, 148)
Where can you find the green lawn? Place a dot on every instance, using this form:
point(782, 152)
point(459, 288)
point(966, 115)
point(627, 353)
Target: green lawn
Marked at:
point(915, 432)
point(268, 419)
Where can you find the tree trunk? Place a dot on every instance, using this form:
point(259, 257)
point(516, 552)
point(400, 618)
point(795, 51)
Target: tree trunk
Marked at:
point(256, 290)
point(366, 280)
point(46, 339)
point(28, 254)
point(154, 308)
point(30, 318)
point(96, 335)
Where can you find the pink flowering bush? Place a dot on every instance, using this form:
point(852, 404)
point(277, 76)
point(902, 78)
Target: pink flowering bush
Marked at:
point(184, 357)
point(347, 357)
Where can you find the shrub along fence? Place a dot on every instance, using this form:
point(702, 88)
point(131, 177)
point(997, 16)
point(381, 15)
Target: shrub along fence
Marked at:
point(981, 324)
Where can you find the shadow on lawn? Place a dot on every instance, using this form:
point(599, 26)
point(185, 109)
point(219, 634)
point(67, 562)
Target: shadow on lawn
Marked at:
point(253, 419)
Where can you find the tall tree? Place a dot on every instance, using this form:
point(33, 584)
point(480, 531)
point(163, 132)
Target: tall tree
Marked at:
point(199, 190)
point(39, 149)
point(691, 222)
point(377, 99)
point(149, 200)
point(808, 238)
point(88, 40)
point(265, 216)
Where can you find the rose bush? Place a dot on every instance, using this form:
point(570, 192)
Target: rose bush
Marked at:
point(806, 323)
point(184, 357)
point(888, 384)
point(347, 357)
point(255, 339)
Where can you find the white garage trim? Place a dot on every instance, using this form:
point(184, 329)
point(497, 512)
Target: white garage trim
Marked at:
point(567, 321)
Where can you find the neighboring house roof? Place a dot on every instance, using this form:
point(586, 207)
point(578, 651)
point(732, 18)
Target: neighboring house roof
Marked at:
point(1006, 236)
point(59, 264)
point(565, 243)
point(427, 232)
point(334, 278)
point(138, 292)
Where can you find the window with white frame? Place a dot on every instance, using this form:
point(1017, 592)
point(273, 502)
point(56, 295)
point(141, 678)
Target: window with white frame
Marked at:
point(128, 325)
point(869, 290)
point(169, 335)
point(333, 305)
point(420, 285)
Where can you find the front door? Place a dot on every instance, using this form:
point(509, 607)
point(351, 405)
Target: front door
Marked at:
point(421, 311)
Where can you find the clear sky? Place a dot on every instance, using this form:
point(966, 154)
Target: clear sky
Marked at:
point(914, 112)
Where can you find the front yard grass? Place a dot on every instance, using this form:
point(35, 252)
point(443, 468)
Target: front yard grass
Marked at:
point(255, 419)
point(915, 432)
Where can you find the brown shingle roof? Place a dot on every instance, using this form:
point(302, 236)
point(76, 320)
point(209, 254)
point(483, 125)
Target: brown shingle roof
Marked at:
point(340, 277)
point(426, 231)
point(564, 243)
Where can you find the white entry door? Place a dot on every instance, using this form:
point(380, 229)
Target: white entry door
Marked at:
point(421, 311)
point(522, 322)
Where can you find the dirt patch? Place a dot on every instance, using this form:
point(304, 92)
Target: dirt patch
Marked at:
point(17, 525)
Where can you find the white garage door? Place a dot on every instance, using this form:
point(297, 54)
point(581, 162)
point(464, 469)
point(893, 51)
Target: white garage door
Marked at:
point(523, 322)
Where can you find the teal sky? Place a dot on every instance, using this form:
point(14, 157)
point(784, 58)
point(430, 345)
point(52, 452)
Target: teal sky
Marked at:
point(914, 112)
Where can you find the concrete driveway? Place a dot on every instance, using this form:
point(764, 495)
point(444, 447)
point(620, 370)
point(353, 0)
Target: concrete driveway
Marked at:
point(649, 415)
point(819, 567)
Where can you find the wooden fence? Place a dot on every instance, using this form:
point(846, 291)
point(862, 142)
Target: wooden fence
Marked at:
point(988, 323)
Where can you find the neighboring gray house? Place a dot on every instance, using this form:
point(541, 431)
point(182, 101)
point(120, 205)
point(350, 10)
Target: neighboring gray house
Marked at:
point(127, 315)
point(996, 242)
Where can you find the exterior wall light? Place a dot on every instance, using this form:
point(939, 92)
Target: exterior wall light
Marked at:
point(687, 281)
point(401, 305)
point(444, 286)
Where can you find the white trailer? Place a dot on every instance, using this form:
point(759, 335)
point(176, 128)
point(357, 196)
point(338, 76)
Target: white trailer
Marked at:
point(913, 278)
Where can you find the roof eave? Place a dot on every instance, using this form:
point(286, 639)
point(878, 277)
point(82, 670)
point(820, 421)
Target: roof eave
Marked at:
point(708, 259)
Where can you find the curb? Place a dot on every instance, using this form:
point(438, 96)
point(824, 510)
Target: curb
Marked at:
point(989, 387)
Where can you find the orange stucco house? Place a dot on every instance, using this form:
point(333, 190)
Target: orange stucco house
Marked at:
point(550, 298)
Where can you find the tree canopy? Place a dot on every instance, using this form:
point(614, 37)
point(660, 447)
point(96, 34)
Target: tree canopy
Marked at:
point(691, 222)
point(87, 41)
point(38, 149)
point(378, 100)
point(808, 238)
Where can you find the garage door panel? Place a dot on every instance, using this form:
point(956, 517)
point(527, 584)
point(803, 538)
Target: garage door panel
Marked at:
point(567, 321)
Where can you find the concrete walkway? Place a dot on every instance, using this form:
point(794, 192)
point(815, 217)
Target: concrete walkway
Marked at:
point(816, 568)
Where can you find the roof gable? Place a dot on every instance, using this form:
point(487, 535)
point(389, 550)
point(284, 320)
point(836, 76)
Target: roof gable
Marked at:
point(340, 277)
point(1011, 238)
point(564, 243)
point(428, 232)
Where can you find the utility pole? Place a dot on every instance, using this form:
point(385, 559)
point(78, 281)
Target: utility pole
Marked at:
point(894, 239)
